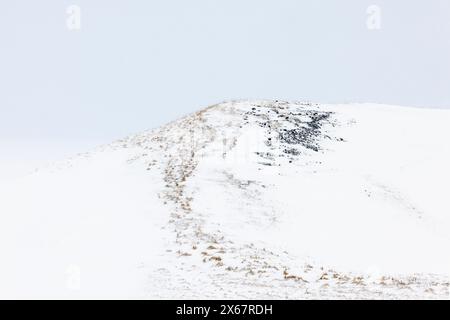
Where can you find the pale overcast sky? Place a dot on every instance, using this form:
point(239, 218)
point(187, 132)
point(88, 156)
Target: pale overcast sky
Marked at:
point(135, 65)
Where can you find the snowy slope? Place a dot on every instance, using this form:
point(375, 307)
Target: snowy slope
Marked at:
point(261, 199)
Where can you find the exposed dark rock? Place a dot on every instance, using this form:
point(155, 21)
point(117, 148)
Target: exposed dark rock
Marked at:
point(299, 125)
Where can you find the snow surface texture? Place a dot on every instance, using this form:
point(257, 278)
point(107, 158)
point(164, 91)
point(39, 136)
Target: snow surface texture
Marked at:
point(261, 199)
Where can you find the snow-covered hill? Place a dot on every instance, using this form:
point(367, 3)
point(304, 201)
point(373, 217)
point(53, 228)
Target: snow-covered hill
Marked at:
point(261, 199)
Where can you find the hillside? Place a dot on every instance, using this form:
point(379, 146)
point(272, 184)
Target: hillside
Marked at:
point(245, 199)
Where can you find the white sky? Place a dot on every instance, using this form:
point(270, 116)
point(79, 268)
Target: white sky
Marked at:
point(137, 64)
